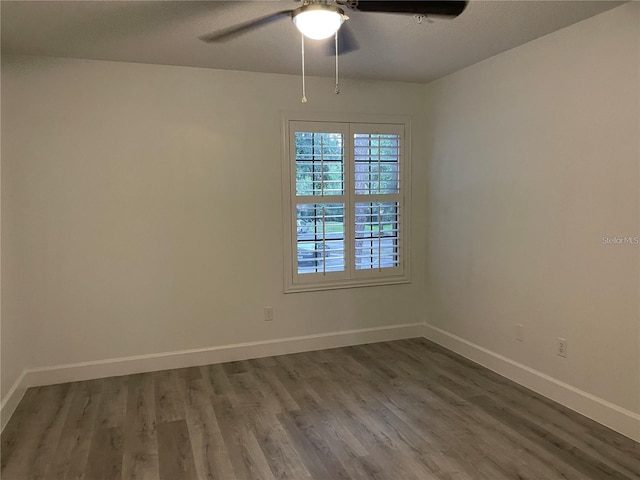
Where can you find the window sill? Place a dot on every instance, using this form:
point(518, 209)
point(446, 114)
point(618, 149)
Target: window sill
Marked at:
point(338, 285)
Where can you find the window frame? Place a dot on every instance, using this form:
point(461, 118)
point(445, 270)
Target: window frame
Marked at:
point(350, 277)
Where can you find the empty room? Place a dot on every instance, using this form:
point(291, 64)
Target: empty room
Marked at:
point(320, 240)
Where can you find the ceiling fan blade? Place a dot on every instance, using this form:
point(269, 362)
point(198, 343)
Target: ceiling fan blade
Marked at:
point(242, 28)
point(445, 8)
point(346, 42)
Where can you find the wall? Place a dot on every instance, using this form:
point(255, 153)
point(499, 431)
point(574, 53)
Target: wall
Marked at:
point(14, 346)
point(143, 211)
point(534, 158)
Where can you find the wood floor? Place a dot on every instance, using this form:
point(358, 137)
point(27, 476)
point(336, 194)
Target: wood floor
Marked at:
point(403, 410)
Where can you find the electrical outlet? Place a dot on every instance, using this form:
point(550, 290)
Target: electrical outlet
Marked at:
point(268, 314)
point(562, 347)
point(519, 332)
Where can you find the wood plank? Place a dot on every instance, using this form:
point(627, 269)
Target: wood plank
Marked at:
point(113, 405)
point(310, 452)
point(140, 458)
point(169, 396)
point(219, 381)
point(17, 426)
point(105, 454)
point(245, 455)
point(72, 452)
point(300, 391)
point(174, 452)
point(210, 455)
point(273, 390)
point(279, 450)
point(37, 432)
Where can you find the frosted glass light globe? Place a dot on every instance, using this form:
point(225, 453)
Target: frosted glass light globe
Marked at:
point(318, 21)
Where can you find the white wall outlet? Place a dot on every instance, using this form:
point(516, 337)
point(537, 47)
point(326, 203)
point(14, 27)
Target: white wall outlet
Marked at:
point(519, 332)
point(562, 347)
point(268, 314)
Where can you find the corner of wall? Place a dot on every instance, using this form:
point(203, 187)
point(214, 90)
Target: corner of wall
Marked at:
point(619, 419)
point(12, 399)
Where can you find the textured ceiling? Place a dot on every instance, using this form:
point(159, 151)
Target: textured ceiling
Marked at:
point(392, 47)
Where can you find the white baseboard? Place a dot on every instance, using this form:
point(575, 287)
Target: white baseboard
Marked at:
point(613, 416)
point(203, 356)
point(617, 418)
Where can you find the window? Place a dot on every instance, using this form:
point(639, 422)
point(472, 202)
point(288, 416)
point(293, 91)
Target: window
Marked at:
point(346, 212)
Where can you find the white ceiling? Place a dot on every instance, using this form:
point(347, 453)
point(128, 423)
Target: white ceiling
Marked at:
point(392, 47)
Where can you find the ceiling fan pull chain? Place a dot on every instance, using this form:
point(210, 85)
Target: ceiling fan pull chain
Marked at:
point(304, 96)
point(337, 86)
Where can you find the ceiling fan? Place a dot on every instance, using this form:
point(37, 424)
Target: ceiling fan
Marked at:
point(322, 19)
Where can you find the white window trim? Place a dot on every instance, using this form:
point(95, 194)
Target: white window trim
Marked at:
point(362, 278)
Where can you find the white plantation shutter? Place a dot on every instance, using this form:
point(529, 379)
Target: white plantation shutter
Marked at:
point(318, 186)
point(378, 199)
point(345, 204)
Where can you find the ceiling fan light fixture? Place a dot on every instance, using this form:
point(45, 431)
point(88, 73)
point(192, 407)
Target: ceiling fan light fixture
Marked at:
point(318, 21)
